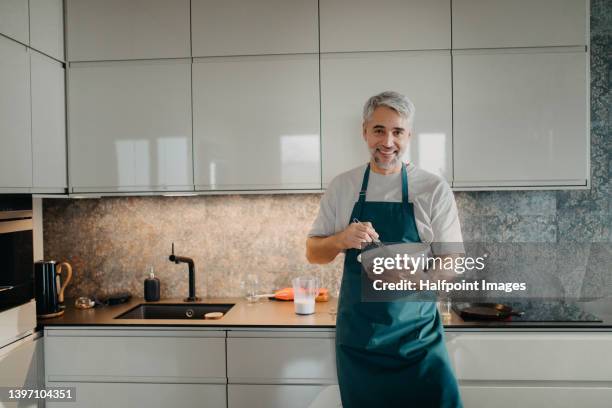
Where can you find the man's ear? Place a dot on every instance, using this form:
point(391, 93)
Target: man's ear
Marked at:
point(363, 130)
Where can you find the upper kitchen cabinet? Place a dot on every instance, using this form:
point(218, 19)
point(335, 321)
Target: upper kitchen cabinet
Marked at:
point(15, 122)
point(519, 23)
point(256, 122)
point(387, 25)
point(47, 27)
point(251, 27)
point(349, 79)
point(48, 125)
point(520, 118)
point(121, 30)
point(14, 20)
point(130, 126)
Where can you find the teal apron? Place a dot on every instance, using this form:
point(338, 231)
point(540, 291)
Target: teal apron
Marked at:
point(390, 354)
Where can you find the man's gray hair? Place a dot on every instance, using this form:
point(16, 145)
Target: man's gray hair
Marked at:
point(394, 100)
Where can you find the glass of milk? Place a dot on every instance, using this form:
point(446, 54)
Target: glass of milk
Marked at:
point(305, 290)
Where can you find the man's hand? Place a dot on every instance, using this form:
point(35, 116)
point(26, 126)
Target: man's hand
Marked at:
point(322, 250)
point(356, 234)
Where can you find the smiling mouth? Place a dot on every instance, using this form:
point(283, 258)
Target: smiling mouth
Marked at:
point(387, 154)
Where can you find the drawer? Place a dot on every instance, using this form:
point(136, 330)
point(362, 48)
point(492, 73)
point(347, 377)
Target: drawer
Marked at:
point(117, 395)
point(536, 396)
point(531, 356)
point(281, 358)
point(282, 396)
point(135, 356)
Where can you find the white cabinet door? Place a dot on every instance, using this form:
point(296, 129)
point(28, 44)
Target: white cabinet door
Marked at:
point(519, 23)
point(561, 357)
point(15, 128)
point(139, 356)
point(520, 118)
point(281, 396)
point(348, 80)
point(250, 27)
point(48, 124)
point(122, 395)
point(47, 27)
point(21, 368)
point(563, 396)
point(119, 29)
point(130, 126)
point(256, 122)
point(387, 25)
point(276, 358)
point(14, 20)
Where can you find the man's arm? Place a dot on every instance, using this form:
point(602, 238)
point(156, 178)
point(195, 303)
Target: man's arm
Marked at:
point(322, 250)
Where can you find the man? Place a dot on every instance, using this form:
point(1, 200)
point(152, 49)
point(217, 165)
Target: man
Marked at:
point(389, 354)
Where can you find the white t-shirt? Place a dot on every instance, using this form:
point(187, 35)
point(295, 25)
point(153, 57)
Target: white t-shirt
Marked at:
point(434, 205)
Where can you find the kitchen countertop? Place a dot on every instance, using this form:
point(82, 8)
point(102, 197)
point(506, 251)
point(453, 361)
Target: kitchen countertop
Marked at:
point(279, 314)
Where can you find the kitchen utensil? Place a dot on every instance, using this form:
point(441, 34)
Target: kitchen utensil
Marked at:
point(213, 315)
point(48, 291)
point(286, 294)
point(84, 302)
point(305, 290)
point(250, 286)
point(47, 288)
point(114, 299)
point(485, 311)
point(377, 242)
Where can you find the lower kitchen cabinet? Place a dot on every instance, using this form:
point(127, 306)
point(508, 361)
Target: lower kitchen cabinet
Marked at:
point(281, 368)
point(156, 356)
point(536, 396)
point(274, 395)
point(124, 367)
point(531, 356)
point(243, 367)
point(129, 395)
point(281, 357)
point(21, 367)
point(532, 369)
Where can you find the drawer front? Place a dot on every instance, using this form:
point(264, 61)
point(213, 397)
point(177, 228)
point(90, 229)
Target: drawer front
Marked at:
point(281, 360)
point(21, 364)
point(536, 396)
point(282, 396)
point(531, 356)
point(135, 358)
point(117, 395)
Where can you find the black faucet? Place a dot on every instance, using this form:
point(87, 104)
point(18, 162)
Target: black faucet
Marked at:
point(178, 259)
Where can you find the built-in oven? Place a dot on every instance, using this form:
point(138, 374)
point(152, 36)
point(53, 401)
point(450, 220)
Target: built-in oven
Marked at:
point(16, 251)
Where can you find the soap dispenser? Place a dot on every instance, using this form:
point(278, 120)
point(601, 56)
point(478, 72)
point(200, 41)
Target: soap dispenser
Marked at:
point(151, 288)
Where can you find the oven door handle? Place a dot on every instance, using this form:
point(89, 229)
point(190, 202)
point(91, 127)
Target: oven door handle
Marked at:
point(7, 227)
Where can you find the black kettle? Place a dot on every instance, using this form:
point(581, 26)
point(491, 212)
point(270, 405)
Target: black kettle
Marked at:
point(47, 288)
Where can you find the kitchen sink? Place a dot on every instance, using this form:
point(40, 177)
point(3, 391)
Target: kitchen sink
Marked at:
point(174, 311)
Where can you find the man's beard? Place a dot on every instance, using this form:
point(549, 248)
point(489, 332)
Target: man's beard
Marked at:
point(391, 164)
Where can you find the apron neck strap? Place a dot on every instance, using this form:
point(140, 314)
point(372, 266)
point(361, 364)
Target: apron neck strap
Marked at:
point(364, 184)
point(404, 184)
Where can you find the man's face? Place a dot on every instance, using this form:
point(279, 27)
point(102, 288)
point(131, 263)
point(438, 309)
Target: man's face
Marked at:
point(387, 135)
